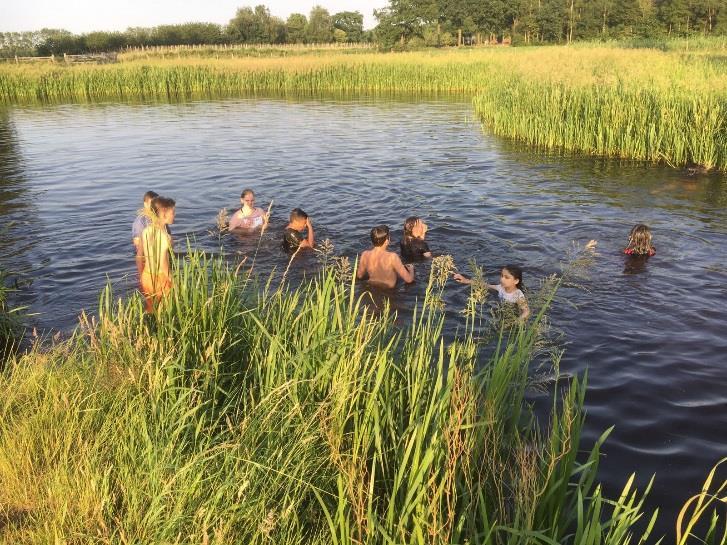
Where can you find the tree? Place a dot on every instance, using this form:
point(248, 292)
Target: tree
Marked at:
point(350, 22)
point(320, 26)
point(256, 26)
point(295, 27)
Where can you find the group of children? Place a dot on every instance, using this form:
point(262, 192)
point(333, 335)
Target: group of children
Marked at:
point(379, 265)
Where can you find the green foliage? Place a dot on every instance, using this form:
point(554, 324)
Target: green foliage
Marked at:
point(350, 22)
point(239, 414)
point(256, 26)
point(320, 26)
point(296, 25)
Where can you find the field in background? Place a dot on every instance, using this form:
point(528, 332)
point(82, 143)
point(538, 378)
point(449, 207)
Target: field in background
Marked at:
point(609, 100)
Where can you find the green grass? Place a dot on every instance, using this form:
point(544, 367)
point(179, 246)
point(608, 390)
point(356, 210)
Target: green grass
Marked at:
point(243, 414)
point(649, 104)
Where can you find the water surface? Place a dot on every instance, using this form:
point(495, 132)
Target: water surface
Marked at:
point(651, 336)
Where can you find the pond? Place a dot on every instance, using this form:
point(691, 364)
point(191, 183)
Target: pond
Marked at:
point(652, 337)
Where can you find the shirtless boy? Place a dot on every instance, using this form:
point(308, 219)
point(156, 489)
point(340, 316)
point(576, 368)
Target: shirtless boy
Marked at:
point(382, 266)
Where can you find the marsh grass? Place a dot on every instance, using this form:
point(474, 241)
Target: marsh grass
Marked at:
point(251, 415)
point(640, 104)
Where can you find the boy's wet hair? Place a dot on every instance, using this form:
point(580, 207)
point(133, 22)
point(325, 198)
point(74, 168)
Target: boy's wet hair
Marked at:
point(409, 224)
point(379, 235)
point(517, 274)
point(245, 193)
point(297, 214)
point(162, 203)
point(150, 195)
point(640, 240)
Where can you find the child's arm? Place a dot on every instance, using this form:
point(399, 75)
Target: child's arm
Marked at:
point(362, 266)
point(524, 309)
point(462, 279)
point(406, 272)
point(310, 242)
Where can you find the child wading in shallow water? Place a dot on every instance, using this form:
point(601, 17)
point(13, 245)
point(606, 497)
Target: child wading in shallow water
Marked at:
point(156, 278)
point(413, 247)
point(509, 289)
point(293, 237)
point(640, 242)
point(140, 223)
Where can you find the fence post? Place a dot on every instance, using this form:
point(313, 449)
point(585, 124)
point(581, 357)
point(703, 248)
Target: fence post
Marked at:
point(65, 57)
point(16, 59)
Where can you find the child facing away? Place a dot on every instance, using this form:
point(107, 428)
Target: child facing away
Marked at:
point(248, 217)
point(143, 219)
point(293, 238)
point(413, 246)
point(382, 266)
point(156, 278)
point(508, 290)
point(640, 242)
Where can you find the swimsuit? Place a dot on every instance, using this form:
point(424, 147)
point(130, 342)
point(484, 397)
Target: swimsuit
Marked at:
point(514, 297)
point(633, 252)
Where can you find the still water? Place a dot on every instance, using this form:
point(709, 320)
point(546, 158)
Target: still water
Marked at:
point(653, 338)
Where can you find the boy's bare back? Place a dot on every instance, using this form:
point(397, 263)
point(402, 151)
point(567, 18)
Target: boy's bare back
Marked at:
point(383, 268)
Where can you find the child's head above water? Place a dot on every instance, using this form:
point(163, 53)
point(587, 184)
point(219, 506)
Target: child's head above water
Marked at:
point(148, 197)
point(511, 276)
point(414, 227)
point(298, 219)
point(379, 235)
point(163, 208)
point(640, 241)
point(247, 197)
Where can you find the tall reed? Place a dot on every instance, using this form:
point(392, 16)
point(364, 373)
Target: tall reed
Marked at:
point(245, 414)
point(643, 104)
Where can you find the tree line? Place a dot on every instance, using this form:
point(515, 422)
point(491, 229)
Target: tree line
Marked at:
point(248, 26)
point(409, 23)
point(445, 22)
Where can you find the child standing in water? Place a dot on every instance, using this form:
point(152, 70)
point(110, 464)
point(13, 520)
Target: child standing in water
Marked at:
point(248, 217)
point(640, 242)
point(509, 289)
point(140, 223)
point(156, 278)
point(380, 265)
point(293, 237)
point(413, 247)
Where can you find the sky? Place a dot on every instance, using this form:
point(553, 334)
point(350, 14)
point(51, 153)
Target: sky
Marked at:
point(81, 16)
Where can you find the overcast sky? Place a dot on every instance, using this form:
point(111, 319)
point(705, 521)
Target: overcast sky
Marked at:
point(81, 16)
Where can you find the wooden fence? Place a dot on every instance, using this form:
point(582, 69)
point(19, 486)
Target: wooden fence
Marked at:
point(98, 58)
point(232, 47)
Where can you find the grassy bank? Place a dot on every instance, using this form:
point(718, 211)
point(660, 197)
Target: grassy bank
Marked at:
point(645, 104)
point(241, 415)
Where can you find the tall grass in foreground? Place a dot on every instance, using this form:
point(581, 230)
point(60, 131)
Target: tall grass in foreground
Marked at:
point(631, 103)
point(292, 416)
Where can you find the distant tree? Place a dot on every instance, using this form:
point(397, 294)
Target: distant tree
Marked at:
point(339, 36)
point(320, 26)
point(59, 41)
point(350, 22)
point(295, 27)
point(105, 41)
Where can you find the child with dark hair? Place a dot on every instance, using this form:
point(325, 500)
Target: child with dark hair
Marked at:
point(640, 242)
point(413, 246)
point(508, 290)
point(143, 219)
point(382, 266)
point(293, 235)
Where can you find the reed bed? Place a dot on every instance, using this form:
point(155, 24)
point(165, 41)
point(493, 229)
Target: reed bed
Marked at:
point(643, 104)
point(242, 414)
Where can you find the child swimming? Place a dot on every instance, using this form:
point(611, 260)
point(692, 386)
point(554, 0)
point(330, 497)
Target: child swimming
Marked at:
point(640, 242)
point(156, 278)
point(380, 265)
point(293, 236)
point(413, 247)
point(248, 217)
point(509, 289)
